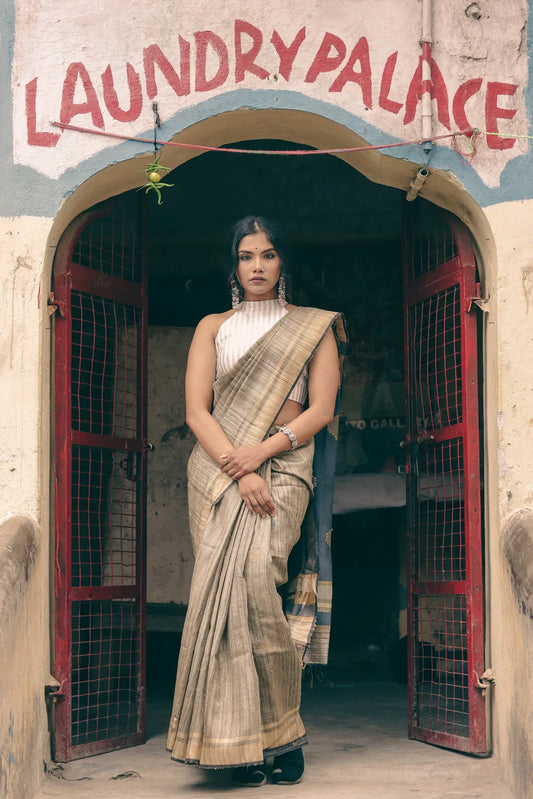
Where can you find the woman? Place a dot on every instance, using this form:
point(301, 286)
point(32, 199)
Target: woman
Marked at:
point(250, 480)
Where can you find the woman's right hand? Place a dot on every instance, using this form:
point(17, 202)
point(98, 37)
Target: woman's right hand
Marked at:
point(256, 494)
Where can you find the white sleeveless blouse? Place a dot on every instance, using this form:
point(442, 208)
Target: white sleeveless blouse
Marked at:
point(236, 335)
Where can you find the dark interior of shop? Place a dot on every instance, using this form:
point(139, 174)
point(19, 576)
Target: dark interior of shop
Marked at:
point(344, 236)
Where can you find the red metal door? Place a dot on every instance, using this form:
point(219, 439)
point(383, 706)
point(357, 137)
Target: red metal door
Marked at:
point(445, 608)
point(100, 486)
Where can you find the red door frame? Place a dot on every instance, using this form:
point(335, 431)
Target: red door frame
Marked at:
point(456, 268)
point(69, 277)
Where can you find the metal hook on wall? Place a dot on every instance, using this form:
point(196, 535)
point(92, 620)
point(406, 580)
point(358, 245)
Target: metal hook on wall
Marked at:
point(157, 124)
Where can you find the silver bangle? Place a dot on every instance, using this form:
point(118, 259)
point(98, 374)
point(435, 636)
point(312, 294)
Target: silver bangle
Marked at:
point(288, 432)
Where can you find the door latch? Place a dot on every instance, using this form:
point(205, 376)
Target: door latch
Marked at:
point(411, 464)
point(54, 691)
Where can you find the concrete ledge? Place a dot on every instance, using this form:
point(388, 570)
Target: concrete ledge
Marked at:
point(18, 550)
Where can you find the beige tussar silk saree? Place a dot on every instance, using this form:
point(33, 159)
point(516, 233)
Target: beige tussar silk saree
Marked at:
point(237, 691)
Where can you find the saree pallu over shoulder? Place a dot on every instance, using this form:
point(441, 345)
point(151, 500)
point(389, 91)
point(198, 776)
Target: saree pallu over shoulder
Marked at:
point(238, 685)
point(249, 396)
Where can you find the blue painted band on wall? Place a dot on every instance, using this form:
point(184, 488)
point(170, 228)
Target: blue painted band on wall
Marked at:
point(38, 195)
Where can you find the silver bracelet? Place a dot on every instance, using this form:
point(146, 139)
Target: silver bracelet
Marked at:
point(288, 432)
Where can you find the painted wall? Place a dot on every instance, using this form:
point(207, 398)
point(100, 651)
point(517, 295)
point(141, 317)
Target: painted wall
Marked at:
point(24, 492)
point(354, 64)
point(512, 404)
point(347, 60)
point(23, 664)
point(23, 253)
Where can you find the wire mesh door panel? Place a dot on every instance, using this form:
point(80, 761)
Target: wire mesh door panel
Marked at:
point(100, 483)
point(446, 704)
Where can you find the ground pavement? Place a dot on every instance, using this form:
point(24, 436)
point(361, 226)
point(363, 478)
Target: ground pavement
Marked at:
point(358, 749)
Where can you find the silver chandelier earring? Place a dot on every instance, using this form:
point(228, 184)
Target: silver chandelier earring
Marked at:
point(235, 294)
point(282, 290)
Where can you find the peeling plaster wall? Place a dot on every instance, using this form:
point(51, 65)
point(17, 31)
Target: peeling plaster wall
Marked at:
point(513, 234)
point(24, 491)
point(21, 328)
point(23, 659)
point(209, 59)
point(511, 407)
point(354, 62)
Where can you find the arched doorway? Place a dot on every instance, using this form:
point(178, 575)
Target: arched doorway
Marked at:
point(346, 234)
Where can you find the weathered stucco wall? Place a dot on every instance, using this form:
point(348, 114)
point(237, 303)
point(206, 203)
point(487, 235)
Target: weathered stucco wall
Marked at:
point(511, 408)
point(23, 324)
point(24, 496)
point(23, 659)
point(357, 63)
point(352, 64)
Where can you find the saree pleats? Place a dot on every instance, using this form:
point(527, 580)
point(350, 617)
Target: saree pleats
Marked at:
point(237, 691)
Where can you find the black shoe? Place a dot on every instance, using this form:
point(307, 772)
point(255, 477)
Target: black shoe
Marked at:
point(288, 768)
point(249, 776)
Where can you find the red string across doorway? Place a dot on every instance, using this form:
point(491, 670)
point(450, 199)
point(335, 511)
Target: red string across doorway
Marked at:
point(472, 134)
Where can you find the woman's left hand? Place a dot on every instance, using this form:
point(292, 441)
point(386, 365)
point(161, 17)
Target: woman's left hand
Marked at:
point(240, 461)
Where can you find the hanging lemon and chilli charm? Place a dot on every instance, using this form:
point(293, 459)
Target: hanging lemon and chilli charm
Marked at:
point(154, 170)
point(155, 182)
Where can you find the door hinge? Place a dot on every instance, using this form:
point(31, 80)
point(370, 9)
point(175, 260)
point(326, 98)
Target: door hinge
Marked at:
point(487, 680)
point(54, 305)
point(481, 302)
point(54, 691)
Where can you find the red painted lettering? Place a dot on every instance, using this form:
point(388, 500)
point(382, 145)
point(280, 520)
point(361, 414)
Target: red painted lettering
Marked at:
point(181, 83)
point(287, 54)
point(323, 61)
point(493, 112)
point(437, 89)
point(70, 109)
point(245, 61)
point(386, 79)
point(204, 39)
point(111, 98)
point(36, 138)
point(363, 77)
point(462, 96)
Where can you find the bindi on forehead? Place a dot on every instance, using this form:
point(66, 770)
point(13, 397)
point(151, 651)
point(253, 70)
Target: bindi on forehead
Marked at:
point(257, 248)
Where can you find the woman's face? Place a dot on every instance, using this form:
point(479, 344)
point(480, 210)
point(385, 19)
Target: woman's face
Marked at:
point(259, 267)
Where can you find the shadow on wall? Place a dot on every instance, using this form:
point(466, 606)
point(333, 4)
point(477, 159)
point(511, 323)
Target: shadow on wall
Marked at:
point(518, 548)
point(22, 716)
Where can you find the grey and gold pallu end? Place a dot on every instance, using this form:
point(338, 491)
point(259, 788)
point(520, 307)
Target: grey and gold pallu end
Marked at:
point(238, 684)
